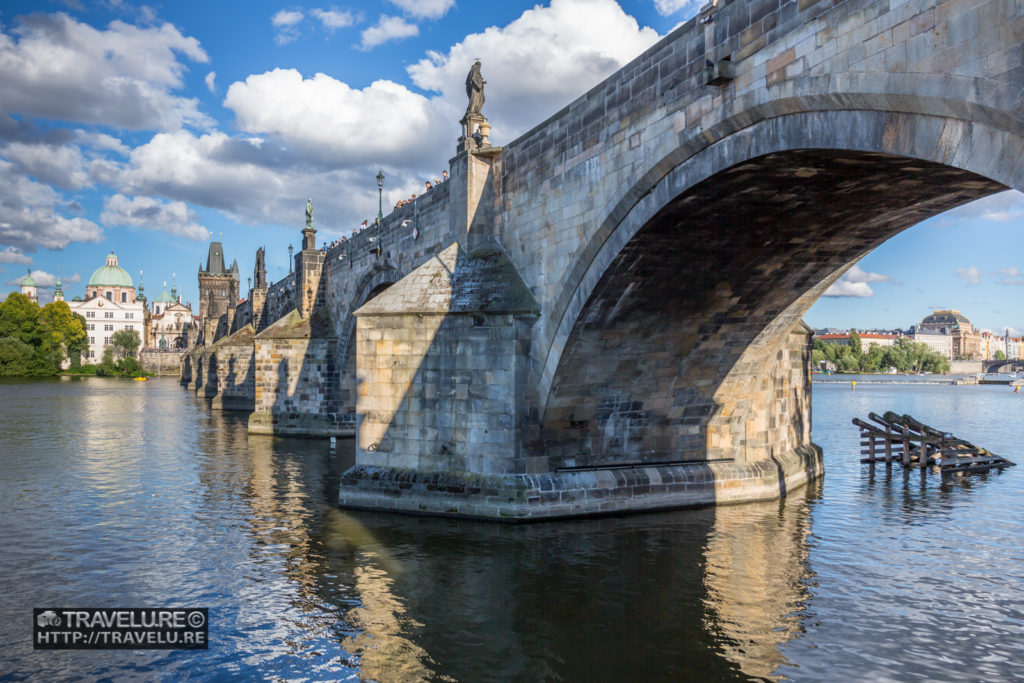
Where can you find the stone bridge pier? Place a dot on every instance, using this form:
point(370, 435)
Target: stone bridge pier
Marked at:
point(616, 325)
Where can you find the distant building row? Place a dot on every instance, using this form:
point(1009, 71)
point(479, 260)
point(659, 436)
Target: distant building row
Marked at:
point(947, 332)
point(111, 305)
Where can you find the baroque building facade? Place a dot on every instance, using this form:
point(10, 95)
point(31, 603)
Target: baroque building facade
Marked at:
point(110, 306)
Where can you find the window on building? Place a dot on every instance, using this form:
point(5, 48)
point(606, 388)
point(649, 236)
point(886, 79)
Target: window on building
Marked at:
point(92, 354)
point(129, 327)
point(108, 327)
point(90, 314)
point(106, 340)
point(92, 340)
point(110, 296)
point(129, 316)
point(108, 314)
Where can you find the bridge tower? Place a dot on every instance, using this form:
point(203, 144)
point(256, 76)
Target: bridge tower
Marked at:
point(218, 292)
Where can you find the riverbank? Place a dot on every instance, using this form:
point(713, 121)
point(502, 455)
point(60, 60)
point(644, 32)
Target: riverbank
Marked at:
point(952, 379)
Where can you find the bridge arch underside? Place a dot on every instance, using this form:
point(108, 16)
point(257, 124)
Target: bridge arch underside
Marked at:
point(689, 346)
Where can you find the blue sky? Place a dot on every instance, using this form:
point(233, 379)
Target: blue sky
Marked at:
point(149, 129)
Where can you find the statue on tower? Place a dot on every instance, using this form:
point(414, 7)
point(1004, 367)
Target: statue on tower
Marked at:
point(309, 213)
point(475, 89)
point(260, 272)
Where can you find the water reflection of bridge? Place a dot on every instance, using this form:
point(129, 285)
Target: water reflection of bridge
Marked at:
point(712, 592)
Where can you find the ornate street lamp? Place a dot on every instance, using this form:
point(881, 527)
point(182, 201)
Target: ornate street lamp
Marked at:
point(290, 250)
point(380, 195)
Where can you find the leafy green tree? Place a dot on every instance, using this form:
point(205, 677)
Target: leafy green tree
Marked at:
point(125, 342)
point(15, 357)
point(19, 319)
point(62, 334)
point(106, 367)
point(855, 346)
point(999, 355)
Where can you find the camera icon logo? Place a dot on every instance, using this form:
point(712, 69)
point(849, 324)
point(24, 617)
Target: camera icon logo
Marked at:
point(48, 618)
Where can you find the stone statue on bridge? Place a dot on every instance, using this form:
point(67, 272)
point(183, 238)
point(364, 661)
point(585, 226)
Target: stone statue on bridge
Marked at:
point(260, 272)
point(475, 89)
point(309, 213)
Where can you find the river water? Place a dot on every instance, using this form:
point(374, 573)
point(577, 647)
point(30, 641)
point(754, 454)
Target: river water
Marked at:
point(134, 494)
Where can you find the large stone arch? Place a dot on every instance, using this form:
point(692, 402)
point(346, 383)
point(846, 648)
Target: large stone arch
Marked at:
point(944, 152)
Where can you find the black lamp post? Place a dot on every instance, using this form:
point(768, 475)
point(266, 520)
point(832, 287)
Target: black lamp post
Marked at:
point(380, 196)
point(290, 250)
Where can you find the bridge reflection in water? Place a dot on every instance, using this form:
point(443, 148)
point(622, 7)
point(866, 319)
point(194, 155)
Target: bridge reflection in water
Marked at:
point(710, 593)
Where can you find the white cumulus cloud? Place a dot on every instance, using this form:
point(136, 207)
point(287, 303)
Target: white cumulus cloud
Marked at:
point(335, 19)
point(425, 9)
point(60, 165)
point(382, 123)
point(854, 283)
point(148, 213)
point(287, 24)
point(1001, 207)
point(386, 29)
point(101, 142)
point(211, 81)
point(669, 7)
point(31, 214)
point(14, 255)
point(286, 18)
point(971, 274)
point(1013, 276)
point(54, 67)
point(538, 63)
point(45, 280)
point(253, 183)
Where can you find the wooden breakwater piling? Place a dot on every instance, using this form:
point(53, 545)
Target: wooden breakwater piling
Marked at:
point(912, 443)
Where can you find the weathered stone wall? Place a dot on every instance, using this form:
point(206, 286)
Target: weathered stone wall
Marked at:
point(440, 393)
point(966, 366)
point(442, 383)
point(236, 370)
point(296, 378)
point(355, 272)
point(164, 363)
point(280, 298)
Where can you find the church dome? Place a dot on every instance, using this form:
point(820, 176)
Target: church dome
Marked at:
point(110, 275)
point(28, 281)
point(949, 318)
point(164, 298)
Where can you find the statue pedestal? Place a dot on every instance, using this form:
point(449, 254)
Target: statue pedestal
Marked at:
point(476, 133)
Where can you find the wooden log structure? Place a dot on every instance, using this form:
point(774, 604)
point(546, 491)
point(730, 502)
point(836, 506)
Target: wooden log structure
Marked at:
point(915, 444)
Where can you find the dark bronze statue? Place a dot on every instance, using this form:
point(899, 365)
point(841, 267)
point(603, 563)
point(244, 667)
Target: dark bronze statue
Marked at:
point(475, 89)
point(260, 272)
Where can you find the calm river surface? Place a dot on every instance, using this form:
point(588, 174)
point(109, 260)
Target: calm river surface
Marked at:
point(133, 494)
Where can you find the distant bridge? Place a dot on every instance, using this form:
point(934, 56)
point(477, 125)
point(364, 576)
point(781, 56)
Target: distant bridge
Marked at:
point(1003, 366)
point(604, 314)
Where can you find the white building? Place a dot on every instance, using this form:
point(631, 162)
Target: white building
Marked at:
point(940, 343)
point(109, 307)
point(170, 324)
point(866, 339)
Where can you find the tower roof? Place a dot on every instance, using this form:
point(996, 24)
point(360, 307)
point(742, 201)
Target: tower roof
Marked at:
point(110, 275)
point(215, 260)
point(164, 298)
point(28, 281)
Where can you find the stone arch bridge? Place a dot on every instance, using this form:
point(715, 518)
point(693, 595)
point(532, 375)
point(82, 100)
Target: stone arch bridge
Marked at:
point(604, 314)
